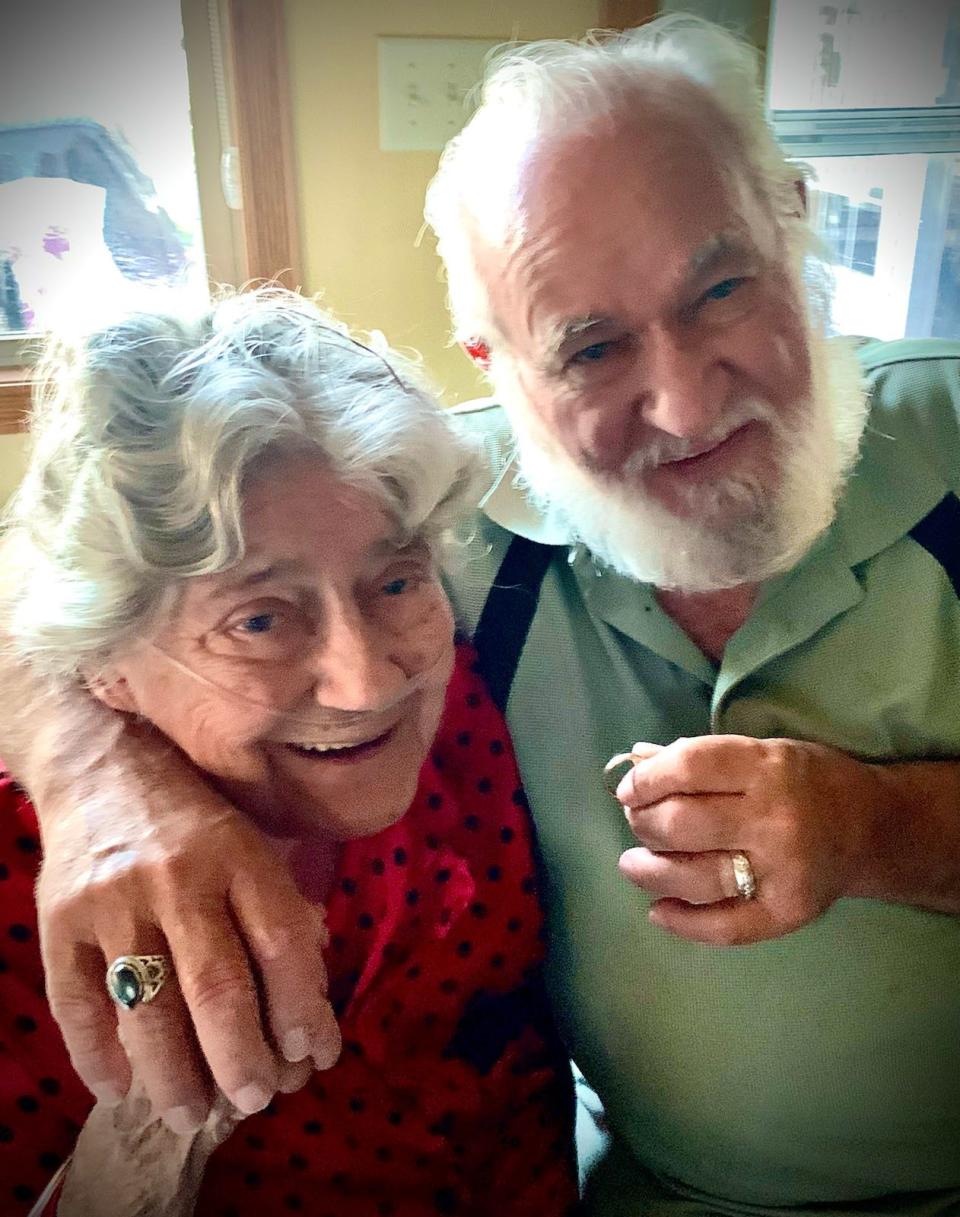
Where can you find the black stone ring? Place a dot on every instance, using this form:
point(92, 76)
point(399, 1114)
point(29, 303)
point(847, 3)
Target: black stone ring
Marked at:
point(133, 979)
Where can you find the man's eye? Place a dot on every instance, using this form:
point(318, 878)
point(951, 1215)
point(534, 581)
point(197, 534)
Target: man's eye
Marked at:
point(396, 587)
point(723, 289)
point(593, 353)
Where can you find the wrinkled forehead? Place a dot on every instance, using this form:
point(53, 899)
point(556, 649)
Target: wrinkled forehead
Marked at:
point(658, 140)
point(299, 519)
point(618, 203)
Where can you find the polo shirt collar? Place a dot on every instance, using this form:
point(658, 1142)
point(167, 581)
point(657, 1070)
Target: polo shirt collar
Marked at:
point(507, 504)
point(891, 488)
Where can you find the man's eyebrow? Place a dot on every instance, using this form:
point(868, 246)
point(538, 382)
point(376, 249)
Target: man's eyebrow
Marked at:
point(718, 251)
point(561, 336)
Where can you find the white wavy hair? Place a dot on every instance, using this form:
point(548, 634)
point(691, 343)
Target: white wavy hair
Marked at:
point(556, 88)
point(143, 433)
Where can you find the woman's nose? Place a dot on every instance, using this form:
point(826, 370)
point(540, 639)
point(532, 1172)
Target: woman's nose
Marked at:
point(360, 665)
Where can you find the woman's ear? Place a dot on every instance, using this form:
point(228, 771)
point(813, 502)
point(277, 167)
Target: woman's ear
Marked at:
point(113, 690)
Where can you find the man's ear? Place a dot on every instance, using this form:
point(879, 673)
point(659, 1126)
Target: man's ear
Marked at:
point(801, 189)
point(479, 351)
point(113, 690)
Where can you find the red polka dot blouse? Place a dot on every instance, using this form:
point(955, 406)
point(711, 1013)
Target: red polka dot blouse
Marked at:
point(452, 1094)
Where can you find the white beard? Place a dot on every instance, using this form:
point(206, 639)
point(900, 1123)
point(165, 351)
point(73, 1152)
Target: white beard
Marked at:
point(739, 530)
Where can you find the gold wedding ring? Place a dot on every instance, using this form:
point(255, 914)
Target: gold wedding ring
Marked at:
point(743, 876)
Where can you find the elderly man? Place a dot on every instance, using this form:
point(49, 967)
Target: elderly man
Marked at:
point(715, 542)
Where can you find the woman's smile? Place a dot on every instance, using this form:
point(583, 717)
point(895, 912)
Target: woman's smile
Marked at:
point(343, 753)
point(313, 671)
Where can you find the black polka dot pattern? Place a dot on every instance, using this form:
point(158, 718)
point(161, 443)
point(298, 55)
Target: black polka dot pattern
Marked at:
point(427, 918)
point(41, 1099)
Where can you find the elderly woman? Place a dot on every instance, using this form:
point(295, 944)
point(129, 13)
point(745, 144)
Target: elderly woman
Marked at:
point(227, 531)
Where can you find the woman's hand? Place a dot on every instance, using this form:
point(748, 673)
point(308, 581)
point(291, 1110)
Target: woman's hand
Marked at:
point(152, 1172)
point(143, 857)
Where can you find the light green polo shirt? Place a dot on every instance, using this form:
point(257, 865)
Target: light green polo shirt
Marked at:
point(820, 1071)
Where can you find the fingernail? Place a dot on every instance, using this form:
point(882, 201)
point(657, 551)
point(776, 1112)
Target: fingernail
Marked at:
point(252, 1098)
point(296, 1078)
point(296, 1045)
point(182, 1120)
point(326, 1052)
point(106, 1093)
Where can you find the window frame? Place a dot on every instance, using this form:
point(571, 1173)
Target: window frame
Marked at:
point(261, 239)
point(867, 132)
point(876, 131)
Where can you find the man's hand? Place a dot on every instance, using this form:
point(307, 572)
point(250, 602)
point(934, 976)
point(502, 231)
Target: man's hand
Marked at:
point(808, 818)
point(164, 865)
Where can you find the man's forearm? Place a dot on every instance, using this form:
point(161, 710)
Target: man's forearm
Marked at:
point(52, 732)
point(62, 744)
point(914, 846)
point(81, 761)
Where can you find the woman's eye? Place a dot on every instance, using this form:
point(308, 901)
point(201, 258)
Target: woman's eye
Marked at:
point(264, 633)
point(405, 575)
point(723, 289)
point(262, 623)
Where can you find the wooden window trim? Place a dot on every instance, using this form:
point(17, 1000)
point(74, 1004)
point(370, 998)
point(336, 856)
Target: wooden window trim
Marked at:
point(14, 399)
point(261, 241)
point(256, 34)
point(627, 14)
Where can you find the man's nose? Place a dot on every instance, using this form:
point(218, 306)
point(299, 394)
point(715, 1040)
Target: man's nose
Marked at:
point(685, 385)
point(359, 665)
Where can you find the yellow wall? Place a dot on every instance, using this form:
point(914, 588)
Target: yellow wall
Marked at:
point(13, 455)
point(360, 208)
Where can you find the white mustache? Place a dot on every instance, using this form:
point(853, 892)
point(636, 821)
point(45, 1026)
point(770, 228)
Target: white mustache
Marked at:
point(667, 449)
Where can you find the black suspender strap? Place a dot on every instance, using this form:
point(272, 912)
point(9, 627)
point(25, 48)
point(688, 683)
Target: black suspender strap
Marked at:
point(939, 534)
point(508, 613)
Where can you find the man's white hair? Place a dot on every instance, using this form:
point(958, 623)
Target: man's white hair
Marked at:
point(143, 433)
point(552, 88)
